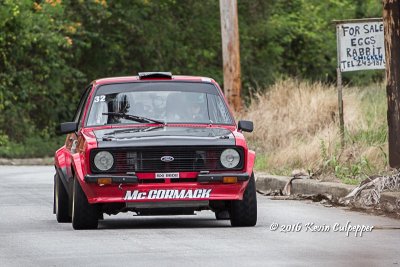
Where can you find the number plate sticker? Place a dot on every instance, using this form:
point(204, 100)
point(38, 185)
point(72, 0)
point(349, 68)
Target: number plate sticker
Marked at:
point(167, 175)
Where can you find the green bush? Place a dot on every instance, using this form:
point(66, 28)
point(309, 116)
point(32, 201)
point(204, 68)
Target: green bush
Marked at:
point(32, 147)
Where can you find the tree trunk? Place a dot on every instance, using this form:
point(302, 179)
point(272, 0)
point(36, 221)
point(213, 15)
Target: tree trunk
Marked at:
point(230, 52)
point(391, 11)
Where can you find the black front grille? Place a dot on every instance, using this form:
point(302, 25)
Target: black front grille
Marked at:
point(184, 159)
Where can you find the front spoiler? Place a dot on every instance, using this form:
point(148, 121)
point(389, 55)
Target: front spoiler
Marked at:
point(131, 189)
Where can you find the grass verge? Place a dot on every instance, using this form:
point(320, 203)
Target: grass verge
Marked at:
point(296, 127)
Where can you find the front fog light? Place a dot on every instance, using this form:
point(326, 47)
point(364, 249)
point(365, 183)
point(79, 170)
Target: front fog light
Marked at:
point(104, 160)
point(230, 158)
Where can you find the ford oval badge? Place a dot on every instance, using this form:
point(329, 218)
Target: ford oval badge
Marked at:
point(167, 158)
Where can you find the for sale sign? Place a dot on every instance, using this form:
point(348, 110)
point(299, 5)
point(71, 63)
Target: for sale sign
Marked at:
point(360, 45)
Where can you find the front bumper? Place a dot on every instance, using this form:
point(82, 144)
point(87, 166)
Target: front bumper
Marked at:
point(115, 179)
point(132, 179)
point(218, 177)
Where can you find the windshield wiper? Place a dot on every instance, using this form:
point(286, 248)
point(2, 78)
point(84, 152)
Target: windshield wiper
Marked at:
point(130, 130)
point(132, 117)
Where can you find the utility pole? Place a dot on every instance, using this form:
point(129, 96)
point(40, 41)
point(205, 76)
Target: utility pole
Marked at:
point(231, 52)
point(391, 21)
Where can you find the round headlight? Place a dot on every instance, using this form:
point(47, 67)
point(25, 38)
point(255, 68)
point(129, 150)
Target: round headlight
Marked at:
point(230, 158)
point(104, 160)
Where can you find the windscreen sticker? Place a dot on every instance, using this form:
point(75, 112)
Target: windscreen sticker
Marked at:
point(99, 98)
point(168, 194)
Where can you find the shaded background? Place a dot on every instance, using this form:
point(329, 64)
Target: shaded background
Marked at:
point(50, 50)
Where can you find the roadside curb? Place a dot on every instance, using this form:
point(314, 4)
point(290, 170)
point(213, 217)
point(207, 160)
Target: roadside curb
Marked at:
point(390, 201)
point(302, 186)
point(27, 162)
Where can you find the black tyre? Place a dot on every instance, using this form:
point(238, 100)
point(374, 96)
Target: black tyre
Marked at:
point(61, 201)
point(222, 215)
point(84, 215)
point(244, 212)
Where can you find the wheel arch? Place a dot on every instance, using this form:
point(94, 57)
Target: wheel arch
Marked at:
point(79, 172)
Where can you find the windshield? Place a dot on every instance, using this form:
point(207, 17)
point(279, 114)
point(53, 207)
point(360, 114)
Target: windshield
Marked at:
point(167, 102)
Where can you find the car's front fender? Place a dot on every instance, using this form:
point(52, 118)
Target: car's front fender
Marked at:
point(251, 157)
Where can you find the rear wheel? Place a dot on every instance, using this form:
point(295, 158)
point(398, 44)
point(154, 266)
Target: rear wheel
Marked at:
point(244, 212)
point(84, 214)
point(61, 201)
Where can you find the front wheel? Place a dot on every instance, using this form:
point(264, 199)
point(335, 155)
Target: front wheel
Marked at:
point(84, 214)
point(244, 212)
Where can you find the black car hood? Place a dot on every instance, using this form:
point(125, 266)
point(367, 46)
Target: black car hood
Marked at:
point(164, 136)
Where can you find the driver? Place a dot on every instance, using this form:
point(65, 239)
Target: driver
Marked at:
point(197, 108)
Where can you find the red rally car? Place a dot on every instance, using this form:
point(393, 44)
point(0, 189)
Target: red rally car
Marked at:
point(154, 144)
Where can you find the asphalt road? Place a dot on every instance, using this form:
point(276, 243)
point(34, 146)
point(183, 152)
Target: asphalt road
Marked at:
point(30, 235)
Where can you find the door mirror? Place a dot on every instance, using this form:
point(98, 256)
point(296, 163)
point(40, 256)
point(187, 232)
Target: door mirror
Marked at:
point(246, 126)
point(68, 127)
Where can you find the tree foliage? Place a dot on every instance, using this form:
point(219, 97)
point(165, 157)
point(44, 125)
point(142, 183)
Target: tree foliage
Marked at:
point(51, 49)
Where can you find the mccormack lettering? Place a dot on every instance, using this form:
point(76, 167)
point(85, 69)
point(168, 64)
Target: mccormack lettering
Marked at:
point(168, 194)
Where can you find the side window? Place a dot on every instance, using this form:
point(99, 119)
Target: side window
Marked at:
point(81, 106)
point(217, 110)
